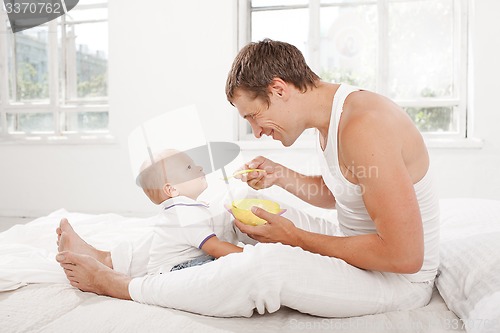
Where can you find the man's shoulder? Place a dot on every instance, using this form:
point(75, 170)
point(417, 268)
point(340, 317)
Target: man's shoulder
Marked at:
point(367, 104)
point(360, 125)
point(369, 128)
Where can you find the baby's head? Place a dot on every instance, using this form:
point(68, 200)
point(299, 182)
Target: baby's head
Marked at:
point(169, 174)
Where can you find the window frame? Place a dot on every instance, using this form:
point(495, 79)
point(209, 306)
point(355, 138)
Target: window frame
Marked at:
point(461, 102)
point(57, 103)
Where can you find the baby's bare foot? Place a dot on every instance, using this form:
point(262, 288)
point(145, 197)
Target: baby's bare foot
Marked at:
point(69, 240)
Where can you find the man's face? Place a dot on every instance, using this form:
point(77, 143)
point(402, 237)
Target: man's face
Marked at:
point(276, 120)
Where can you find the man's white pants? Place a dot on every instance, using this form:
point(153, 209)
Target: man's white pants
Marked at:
point(267, 276)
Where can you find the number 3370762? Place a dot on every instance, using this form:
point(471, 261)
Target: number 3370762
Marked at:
point(33, 8)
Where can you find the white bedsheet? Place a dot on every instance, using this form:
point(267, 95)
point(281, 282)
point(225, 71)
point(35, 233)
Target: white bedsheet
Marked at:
point(60, 308)
point(50, 304)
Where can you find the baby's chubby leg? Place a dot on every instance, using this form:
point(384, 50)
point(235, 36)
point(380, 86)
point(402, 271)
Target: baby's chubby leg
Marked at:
point(69, 240)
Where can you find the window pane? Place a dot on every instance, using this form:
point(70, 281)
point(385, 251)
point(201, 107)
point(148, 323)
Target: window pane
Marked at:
point(28, 65)
point(420, 41)
point(92, 60)
point(293, 27)
point(87, 59)
point(87, 121)
point(435, 119)
point(30, 122)
point(349, 45)
point(422, 58)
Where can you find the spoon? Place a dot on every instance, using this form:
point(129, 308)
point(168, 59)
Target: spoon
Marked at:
point(243, 172)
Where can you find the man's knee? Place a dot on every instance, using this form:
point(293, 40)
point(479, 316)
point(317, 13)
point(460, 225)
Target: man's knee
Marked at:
point(268, 259)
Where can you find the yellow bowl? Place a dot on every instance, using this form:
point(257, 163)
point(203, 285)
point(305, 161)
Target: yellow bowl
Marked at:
point(241, 210)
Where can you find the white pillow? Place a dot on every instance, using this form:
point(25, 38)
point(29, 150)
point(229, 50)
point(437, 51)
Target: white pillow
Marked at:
point(484, 318)
point(469, 272)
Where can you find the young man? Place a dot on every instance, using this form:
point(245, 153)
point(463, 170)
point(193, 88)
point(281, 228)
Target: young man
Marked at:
point(375, 171)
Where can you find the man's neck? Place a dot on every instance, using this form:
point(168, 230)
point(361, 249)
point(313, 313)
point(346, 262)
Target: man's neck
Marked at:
point(318, 105)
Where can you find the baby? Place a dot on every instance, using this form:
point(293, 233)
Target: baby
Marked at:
point(187, 232)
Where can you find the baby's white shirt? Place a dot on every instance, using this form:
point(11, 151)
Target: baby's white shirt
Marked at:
point(183, 226)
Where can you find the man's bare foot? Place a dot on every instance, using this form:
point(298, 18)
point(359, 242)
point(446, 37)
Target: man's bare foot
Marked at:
point(88, 274)
point(69, 240)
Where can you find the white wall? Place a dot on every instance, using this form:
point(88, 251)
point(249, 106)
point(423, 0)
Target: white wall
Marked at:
point(162, 57)
point(179, 54)
point(476, 173)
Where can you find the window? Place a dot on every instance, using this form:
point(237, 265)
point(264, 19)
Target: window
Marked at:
point(54, 76)
point(413, 51)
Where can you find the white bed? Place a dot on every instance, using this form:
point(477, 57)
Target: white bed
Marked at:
point(468, 284)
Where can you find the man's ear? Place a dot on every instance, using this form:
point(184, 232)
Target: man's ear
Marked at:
point(170, 190)
point(279, 88)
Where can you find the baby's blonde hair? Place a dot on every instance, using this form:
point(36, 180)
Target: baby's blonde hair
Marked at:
point(153, 171)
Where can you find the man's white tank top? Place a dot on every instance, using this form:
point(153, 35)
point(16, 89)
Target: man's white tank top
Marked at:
point(353, 217)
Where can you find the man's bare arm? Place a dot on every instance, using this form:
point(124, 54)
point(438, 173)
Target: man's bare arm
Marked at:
point(371, 142)
point(311, 189)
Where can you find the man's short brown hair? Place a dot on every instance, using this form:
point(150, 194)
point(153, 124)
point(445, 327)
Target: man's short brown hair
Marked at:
point(257, 64)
